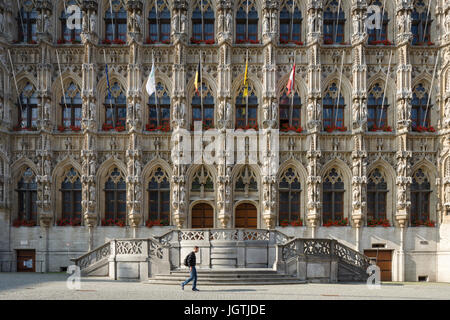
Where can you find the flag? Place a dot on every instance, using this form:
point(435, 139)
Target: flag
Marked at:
point(245, 79)
point(107, 81)
point(151, 84)
point(197, 78)
point(291, 81)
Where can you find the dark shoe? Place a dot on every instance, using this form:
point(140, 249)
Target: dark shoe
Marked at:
point(182, 286)
point(195, 290)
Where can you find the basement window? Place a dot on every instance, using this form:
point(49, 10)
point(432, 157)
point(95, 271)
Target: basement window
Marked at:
point(63, 269)
point(378, 245)
point(423, 279)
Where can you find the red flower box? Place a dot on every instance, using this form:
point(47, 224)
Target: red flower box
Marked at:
point(61, 128)
point(284, 223)
point(378, 222)
point(106, 41)
point(23, 223)
point(114, 222)
point(158, 222)
point(68, 222)
point(75, 128)
point(287, 128)
point(298, 223)
point(61, 41)
point(120, 128)
point(336, 223)
point(107, 127)
point(423, 129)
point(118, 41)
point(426, 223)
point(328, 41)
point(330, 129)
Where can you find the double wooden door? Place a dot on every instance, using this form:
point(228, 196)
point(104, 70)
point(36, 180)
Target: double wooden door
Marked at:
point(202, 216)
point(246, 216)
point(383, 259)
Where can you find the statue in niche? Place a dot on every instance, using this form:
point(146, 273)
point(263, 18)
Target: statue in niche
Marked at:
point(229, 22)
point(92, 21)
point(175, 22)
point(183, 22)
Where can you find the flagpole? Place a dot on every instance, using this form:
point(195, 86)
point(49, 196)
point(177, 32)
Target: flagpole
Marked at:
point(17, 89)
point(382, 17)
point(201, 87)
point(21, 19)
point(246, 85)
point(384, 92)
point(112, 20)
point(292, 20)
point(293, 92)
point(431, 89)
point(246, 26)
point(201, 11)
point(156, 99)
point(62, 86)
point(426, 21)
point(157, 22)
point(109, 90)
point(337, 21)
point(339, 89)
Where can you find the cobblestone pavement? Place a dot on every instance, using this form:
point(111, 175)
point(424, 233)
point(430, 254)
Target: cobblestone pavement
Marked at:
point(53, 286)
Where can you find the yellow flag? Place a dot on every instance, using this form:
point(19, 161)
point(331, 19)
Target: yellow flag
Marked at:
point(246, 80)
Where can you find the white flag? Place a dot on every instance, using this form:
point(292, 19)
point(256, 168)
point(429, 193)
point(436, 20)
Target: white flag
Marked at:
point(151, 85)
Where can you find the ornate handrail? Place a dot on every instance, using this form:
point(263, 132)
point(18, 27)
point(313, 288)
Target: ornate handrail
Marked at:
point(351, 256)
point(93, 256)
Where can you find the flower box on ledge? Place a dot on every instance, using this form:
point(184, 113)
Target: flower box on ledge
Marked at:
point(241, 41)
point(107, 127)
point(156, 223)
point(423, 129)
point(197, 41)
point(298, 43)
point(330, 129)
point(255, 127)
point(336, 223)
point(378, 42)
point(286, 223)
point(427, 223)
point(24, 223)
point(385, 129)
point(68, 222)
point(287, 128)
point(165, 128)
point(75, 128)
point(114, 222)
point(378, 222)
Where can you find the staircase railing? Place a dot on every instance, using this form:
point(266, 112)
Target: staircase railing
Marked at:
point(93, 256)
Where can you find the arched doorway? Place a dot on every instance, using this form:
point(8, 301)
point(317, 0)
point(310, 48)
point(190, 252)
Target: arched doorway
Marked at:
point(202, 216)
point(246, 216)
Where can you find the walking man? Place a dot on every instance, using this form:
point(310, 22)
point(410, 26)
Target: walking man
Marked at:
point(190, 262)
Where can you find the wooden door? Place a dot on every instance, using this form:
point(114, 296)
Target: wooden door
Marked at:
point(246, 216)
point(26, 261)
point(383, 259)
point(202, 216)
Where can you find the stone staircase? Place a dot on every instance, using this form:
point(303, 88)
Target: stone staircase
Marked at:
point(227, 257)
point(253, 276)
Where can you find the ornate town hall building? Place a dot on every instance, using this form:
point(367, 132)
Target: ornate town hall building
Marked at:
point(364, 139)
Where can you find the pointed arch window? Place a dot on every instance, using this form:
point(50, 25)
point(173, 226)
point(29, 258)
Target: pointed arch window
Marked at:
point(70, 35)
point(289, 190)
point(28, 108)
point(420, 114)
point(27, 196)
point(27, 22)
point(115, 197)
point(420, 198)
point(290, 23)
point(159, 196)
point(376, 195)
point(159, 23)
point(159, 109)
point(333, 23)
point(421, 23)
point(246, 181)
point(379, 36)
point(115, 23)
point(333, 196)
point(377, 111)
point(202, 181)
point(247, 109)
point(71, 105)
point(203, 22)
point(333, 109)
point(71, 197)
point(203, 107)
point(115, 107)
point(247, 22)
point(290, 110)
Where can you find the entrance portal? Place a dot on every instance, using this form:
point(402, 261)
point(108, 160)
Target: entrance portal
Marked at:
point(246, 216)
point(202, 216)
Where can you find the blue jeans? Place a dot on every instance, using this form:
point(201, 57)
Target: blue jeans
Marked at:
point(193, 276)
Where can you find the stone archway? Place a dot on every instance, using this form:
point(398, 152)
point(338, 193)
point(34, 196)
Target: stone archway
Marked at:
point(246, 216)
point(202, 216)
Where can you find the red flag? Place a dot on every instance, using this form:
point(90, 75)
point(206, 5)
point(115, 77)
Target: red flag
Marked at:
point(290, 84)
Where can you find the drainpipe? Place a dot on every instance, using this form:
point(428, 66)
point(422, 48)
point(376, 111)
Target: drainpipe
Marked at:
point(401, 255)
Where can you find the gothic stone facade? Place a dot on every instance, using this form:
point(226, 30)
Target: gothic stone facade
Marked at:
point(39, 158)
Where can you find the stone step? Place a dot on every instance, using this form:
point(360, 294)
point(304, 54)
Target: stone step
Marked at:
point(228, 283)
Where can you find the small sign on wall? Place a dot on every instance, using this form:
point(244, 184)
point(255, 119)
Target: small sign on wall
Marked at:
point(23, 242)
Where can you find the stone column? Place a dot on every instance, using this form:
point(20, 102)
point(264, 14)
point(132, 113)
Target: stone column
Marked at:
point(89, 121)
point(135, 21)
point(44, 19)
point(314, 111)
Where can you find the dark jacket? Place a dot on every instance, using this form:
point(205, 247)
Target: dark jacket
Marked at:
point(191, 259)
